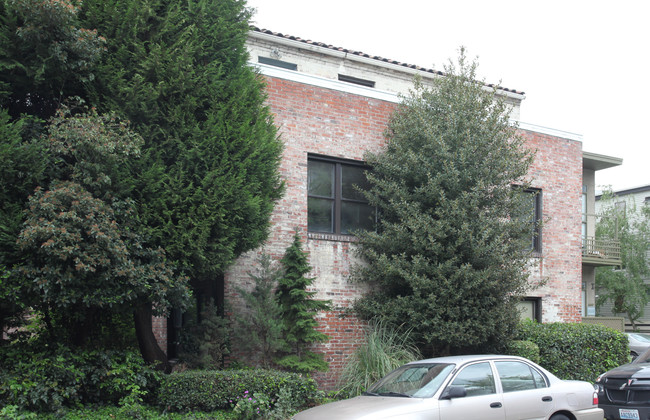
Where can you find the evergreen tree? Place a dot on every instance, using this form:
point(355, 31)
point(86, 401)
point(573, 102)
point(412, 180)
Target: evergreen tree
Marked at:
point(209, 175)
point(298, 310)
point(449, 254)
point(624, 287)
point(259, 323)
point(209, 178)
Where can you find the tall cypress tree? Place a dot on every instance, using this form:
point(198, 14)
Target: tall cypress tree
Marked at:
point(209, 175)
point(178, 71)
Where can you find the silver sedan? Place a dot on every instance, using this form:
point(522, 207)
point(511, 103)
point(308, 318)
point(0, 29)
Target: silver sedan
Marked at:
point(482, 387)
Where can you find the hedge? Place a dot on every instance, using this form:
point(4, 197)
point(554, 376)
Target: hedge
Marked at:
point(524, 348)
point(207, 390)
point(576, 351)
point(55, 377)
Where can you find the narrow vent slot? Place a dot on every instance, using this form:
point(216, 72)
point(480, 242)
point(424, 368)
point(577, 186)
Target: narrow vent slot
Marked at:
point(356, 80)
point(277, 63)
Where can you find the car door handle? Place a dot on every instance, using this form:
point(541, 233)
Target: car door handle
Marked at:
point(495, 405)
point(547, 399)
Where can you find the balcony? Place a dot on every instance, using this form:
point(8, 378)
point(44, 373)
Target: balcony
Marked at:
point(601, 252)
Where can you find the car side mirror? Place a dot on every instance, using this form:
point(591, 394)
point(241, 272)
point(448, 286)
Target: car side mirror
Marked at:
point(454, 392)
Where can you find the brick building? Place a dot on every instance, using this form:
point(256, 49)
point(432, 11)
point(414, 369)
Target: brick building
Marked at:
point(332, 105)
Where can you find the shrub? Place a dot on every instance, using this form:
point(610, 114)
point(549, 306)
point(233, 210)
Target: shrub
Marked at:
point(524, 348)
point(212, 390)
point(576, 351)
point(383, 350)
point(52, 378)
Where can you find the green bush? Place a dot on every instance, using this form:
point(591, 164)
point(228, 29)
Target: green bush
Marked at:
point(56, 377)
point(576, 351)
point(524, 348)
point(212, 390)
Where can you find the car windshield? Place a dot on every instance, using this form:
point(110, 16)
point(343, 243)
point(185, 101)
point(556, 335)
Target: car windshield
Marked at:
point(420, 380)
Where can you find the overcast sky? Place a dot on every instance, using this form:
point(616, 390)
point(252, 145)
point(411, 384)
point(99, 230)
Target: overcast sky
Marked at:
point(582, 64)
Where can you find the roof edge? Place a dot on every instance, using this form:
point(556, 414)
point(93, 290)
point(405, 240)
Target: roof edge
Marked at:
point(361, 57)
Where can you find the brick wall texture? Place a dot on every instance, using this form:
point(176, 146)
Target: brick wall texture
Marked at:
point(338, 124)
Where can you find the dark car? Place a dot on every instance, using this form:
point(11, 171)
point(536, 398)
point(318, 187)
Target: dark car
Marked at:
point(624, 392)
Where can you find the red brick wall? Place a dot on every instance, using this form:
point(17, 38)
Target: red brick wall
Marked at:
point(327, 122)
point(557, 170)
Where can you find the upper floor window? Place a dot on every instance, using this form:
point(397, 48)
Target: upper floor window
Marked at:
point(335, 205)
point(534, 216)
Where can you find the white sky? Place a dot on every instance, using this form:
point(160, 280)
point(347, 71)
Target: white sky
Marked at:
point(582, 64)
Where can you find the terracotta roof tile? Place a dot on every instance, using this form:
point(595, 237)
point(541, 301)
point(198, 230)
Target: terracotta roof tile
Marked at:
point(362, 54)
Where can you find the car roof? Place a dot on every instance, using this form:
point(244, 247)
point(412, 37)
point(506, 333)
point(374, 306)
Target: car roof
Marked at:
point(460, 359)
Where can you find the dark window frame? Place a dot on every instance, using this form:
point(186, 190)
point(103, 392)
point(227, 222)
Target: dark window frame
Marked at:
point(337, 198)
point(536, 243)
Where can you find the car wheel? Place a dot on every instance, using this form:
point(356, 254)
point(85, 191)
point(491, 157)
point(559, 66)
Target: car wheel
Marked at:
point(559, 417)
point(633, 355)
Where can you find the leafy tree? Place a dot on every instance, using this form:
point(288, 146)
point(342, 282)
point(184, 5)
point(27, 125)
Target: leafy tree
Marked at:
point(625, 286)
point(45, 57)
point(259, 323)
point(298, 310)
point(86, 257)
point(450, 253)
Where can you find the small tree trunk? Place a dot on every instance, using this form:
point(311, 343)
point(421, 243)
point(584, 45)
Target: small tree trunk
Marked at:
point(149, 348)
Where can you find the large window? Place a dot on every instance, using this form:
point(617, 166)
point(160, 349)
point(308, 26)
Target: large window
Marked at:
point(335, 205)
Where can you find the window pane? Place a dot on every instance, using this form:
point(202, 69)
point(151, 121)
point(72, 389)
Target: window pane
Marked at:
point(351, 176)
point(539, 379)
point(356, 216)
point(477, 379)
point(515, 376)
point(319, 215)
point(321, 178)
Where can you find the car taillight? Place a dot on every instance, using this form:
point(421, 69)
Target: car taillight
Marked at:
point(595, 398)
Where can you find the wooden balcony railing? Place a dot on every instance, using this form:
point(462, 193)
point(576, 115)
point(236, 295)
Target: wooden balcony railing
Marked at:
point(601, 252)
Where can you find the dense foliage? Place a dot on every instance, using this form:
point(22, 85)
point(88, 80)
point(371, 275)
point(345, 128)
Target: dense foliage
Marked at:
point(450, 251)
point(167, 183)
point(47, 55)
point(53, 377)
point(210, 390)
point(86, 258)
point(298, 310)
point(524, 348)
point(576, 351)
point(624, 287)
